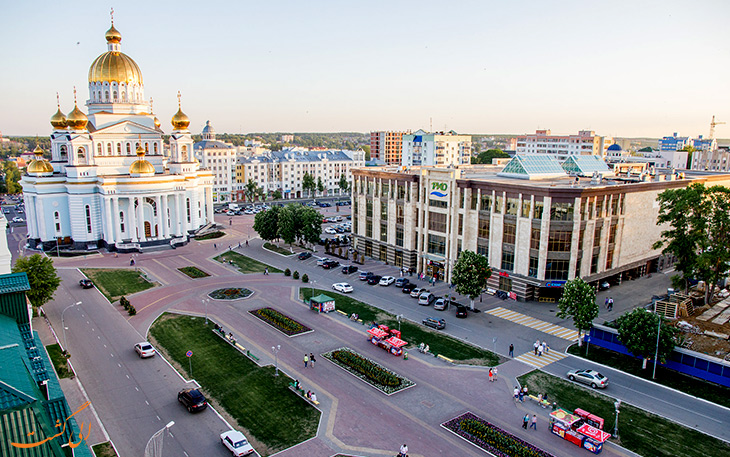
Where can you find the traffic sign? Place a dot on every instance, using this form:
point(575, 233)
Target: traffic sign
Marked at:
point(189, 354)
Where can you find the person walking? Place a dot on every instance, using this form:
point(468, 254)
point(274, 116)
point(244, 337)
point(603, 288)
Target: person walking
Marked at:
point(266, 270)
point(525, 421)
point(610, 304)
point(311, 359)
point(533, 422)
point(606, 303)
point(522, 395)
point(306, 360)
point(511, 350)
point(539, 350)
point(516, 393)
point(491, 375)
point(537, 343)
point(403, 451)
point(494, 372)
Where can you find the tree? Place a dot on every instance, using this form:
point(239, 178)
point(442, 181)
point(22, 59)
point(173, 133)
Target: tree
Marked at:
point(308, 183)
point(266, 223)
point(12, 177)
point(260, 193)
point(638, 329)
point(310, 224)
point(343, 184)
point(320, 186)
point(470, 274)
point(690, 152)
point(288, 220)
point(249, 190)
point(276, 195)
point(366, 148)
point(579, 301)
point(42, 277)
point(487, 156)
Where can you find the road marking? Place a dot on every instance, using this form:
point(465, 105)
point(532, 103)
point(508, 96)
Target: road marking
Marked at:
point(88, 322)
point(136, 388)
point(540, 361)
point(186, 454)
point(148, 403)
point(127, 376)
point(119, 365)
point(158, 418)
point(111, 355)
point(92, 329)
point(98, 337)
point(537, 324)
point(105, 345)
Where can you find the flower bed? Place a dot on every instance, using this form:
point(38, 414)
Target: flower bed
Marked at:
point(491, 438)
point(230, 293)
point(210, 236)
point(193, 272)
point(279, 321)
point(368, 370)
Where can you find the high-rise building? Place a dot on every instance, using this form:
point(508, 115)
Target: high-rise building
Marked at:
point(387, 146)
point(586, 142)
point(441, 149)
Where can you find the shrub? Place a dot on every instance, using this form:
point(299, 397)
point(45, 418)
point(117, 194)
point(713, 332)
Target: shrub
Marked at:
point(305, 278)
point(295, 275)
point(132, 310)
point(125, 303)
point(287, 272)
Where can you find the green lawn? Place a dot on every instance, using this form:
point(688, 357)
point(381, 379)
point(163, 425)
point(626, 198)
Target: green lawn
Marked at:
point(277, 249)
point(714, 393)
point(245, 264)
point(193, 272)
point(60, 363)
point(261, 403)
point(104, 449)
point(114, 283)
point(641, 432)
point(415, 334)
point(210, 236)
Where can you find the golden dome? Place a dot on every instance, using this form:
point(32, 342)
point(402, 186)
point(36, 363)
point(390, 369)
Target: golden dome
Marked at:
point(113, 35)
point(39, 165)
point(141, 166)
point(180, 121)
point(157, 123)
point(76, 120)
point(115, 66)
point(58, 120)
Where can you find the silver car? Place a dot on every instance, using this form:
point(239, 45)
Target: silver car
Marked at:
point(589, 377)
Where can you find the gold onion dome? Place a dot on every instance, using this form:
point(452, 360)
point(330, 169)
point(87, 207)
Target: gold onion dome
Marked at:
point(114, 65)
point(39, 165)
point(113, 35)
point(141, 166)
point(157, 123)
point(180, 121)
point(58, 120)
point(76, 120)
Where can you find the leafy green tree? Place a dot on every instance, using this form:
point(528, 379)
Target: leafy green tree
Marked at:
point(308, 183)
point(486, 157)
point(578, 301)
point(366, 148)
point(12, 177)
point(249, 190)
point(310, 224)
point(638, 329)
point(343, 184)
point(320, 186)
point(266, 223)
point(690, 152)
point(276, 195)
point(42, 277)
point(288, 220)
point(260, 193)
point(470, 274)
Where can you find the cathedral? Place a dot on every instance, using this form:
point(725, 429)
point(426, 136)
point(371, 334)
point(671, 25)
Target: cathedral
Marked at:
point(110, 181)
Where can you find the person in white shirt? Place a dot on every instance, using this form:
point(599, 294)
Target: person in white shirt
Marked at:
point(403, 451)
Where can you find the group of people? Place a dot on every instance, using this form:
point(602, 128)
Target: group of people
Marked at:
point(492, 374)
point(354, 317)
point(311, 396)
point(609, 303)
point(309, 359)
point(540, 347)
point(526, 420)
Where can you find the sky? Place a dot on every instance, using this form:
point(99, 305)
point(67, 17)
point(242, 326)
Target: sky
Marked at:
point(622, 68)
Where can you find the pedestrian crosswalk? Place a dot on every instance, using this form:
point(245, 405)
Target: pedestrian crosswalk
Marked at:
point(540, 361)
point(537, 324)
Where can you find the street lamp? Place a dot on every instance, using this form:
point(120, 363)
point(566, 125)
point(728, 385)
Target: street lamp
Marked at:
point(154, 445)
point(275, 350)
point(658, 329)
point(399, 317)
point(205, 302)
point(312, 288)
point(65, 345)
point(615, 427)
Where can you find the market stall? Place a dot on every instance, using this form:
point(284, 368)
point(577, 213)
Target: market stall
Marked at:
point(322, 303)
point(388, 339)
point(574, 428)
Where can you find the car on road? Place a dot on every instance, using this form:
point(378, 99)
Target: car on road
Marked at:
point(441, 304)
point(6, 211)
point(408, 287)
point(86, 284)
point(604, 285)
point(144, 350)
point(347, 269)
point(374, 279)
point(461, 311)
point(192, 399)
point(330, 264)
point(415, 293)
point(438, 324)
point(589, 377)
point(386, 280)
point(365, 275)
point(400, 282)
point(426, 298)
point(330, 230)
point(236, 442)
point(18, 219)
point(343, 287)
point(304, 255)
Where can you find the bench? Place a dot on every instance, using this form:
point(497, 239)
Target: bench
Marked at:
point(543, 403)
point(301, 393)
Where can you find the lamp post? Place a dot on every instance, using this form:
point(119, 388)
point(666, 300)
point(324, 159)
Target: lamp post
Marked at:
point(205, 302)
point(615, 426)
point(63, 324)
point(312, 289)
point(154, 445)
point(658, 330)
point(275, 350)
point(399, 317)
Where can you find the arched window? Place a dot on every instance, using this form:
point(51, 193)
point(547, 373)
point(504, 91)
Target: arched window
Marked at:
point(129, 148)
point(81, 153)
point(154, 146)
point(63, 152)
point(119, 148)
point(57, 221)
point(184, 153)
point(124, 96)
point(109, 149)
point(121, 220)
point(115, 96)
point(147, 148)
point(88, 219)
point(98, 148)
point(106, 95)
point(136, 146)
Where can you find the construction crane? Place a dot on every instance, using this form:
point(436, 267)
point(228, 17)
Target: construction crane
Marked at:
point(712, 127)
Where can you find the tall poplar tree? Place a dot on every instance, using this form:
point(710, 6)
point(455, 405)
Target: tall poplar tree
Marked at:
point(579, 302)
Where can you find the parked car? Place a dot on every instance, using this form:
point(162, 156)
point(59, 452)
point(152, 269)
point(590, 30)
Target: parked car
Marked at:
point(144, 350)
point(330, 230)
point(400, 282)
point(426, 298)
point(461, 311)
point(86, 284)
point(604, 285)
point(343, 287)
point(236, 442)
point(18, 219)
point(321, 261)
point(192, 399)
point(415, 293)
point(441, 304)
point(347, 269)
point(365, 275)
point(386, 280)
point(330, 264)
point(324, 205)
point(374, 279)
point(590, 377)
point(304, 255)
point(438, 324)
point(408, 287)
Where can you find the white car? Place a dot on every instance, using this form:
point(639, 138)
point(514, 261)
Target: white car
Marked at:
point(386, 280)
point(236, 442)
point(330, 230)
point(343, 287)
point(144, 350)
point(321, 261)
point(17, 219)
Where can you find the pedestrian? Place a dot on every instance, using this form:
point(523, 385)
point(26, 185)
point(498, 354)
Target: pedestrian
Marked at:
point(246, 243)
point(610, 304)
point(516, 394)
point(537, 343)
point(525, 391)
point(313, 397)
point(215, 246)
point(311, 359)
point(525, 421)
point(266, 270)
point(606, 303)
point(543, 347)
point(403, 451)
point(511, 350)
point(491, 375)
point(533, 422)
point(239, 245)
point(494, 372)
point(306, 360)
point(521, 395)
point(309, 394)
point(546, 348)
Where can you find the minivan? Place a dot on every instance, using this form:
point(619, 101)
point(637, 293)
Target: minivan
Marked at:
point(426, 298)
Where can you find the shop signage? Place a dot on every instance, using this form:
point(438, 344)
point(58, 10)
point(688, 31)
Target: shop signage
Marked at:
point(435, 264)
point(555, 284)
point(439, 189)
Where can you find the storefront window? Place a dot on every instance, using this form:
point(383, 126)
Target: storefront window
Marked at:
point(436, 244)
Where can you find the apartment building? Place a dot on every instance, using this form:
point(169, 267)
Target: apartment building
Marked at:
point(387, 146)
point(441, 149)
point(717, 159)
point(220, 158)
point(586, 142)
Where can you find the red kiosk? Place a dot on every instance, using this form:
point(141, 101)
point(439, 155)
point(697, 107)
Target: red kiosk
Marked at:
point(577, 429)
point(388, 339)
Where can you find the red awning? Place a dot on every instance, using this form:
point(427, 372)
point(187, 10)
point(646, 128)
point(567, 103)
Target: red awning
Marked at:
point(397, 342)
point(378, 333)
point(593, 432)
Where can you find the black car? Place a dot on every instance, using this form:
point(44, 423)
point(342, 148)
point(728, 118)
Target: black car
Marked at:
point(324, 205)
point(400, 282)
point(330, 264)
point(347, 269)
point(374, 279)
point(408, 287)
point(438, 324)
point(304, 255)
point(192, 399)
point(86, 284)
point(460, 311)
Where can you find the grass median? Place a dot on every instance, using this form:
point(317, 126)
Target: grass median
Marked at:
point(245, 264)
point(277, 249)
point(114, 283)
point(413, 333)
point(274, 417)
point(60, 362)
point(639, 431)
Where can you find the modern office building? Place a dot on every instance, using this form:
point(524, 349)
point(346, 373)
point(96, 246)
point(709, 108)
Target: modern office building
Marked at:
point(586, 142)
point(441, 149)
point(220, 158)
point(108, 182)
point(539, 222)
point(674, 142)
point(387, 146)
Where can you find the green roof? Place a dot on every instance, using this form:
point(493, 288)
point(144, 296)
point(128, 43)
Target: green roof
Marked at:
point(14, 282)
point(321, 298)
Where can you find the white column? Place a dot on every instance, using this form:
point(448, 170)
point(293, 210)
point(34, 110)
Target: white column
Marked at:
point(165, 220)
point(132, 219)
point(184, 214)
point(109, 225)
point(32, 216)
point(116, 222)
point(140, 219)
point(209, 204)
point(41, 221)
point(158, 219)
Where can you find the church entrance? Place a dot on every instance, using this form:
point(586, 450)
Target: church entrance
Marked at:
point(148, 230)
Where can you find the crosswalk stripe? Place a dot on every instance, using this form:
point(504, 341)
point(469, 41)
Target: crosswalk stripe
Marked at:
point(540, 361)
point(537, 324)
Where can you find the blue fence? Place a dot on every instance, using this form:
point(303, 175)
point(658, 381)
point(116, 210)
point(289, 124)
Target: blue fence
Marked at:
point(682, 360)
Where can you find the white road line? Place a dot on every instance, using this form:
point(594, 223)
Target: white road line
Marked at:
point(148, 403)
point(119, 365)
point(136, 388)
point(105, 345)
point(111, 355)
point(127, 376)
point(158, 418)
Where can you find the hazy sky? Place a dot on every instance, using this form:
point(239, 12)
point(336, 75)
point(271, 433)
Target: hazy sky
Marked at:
point(622, 68)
